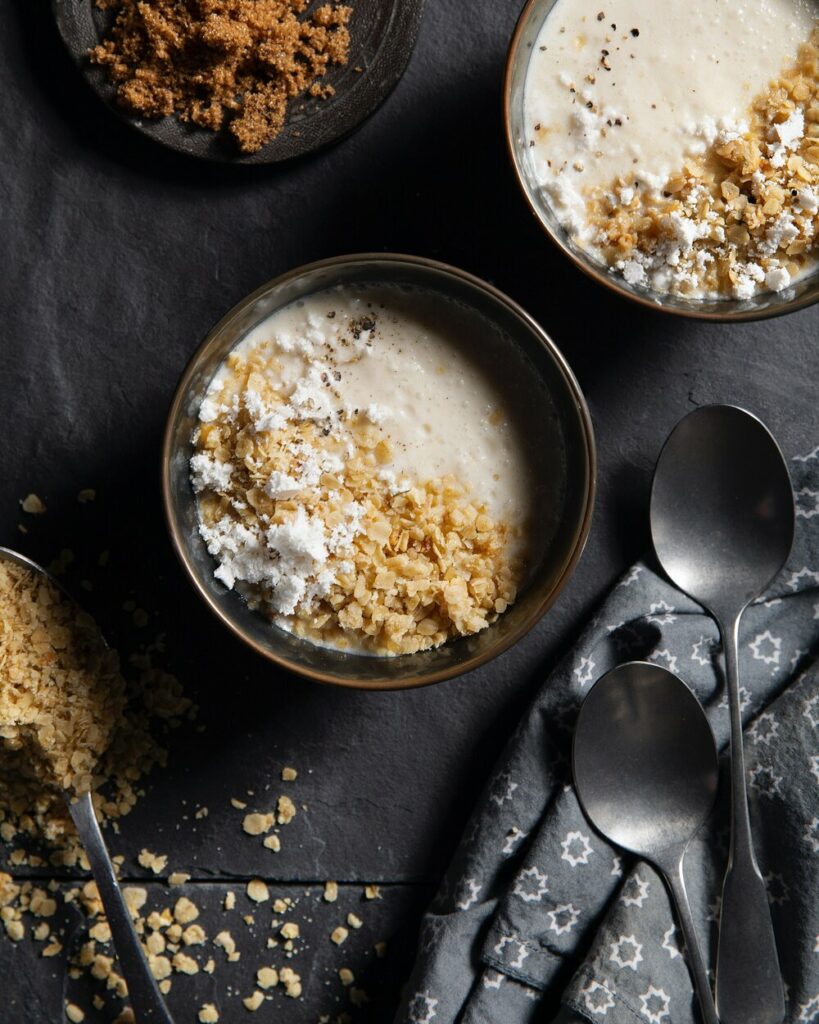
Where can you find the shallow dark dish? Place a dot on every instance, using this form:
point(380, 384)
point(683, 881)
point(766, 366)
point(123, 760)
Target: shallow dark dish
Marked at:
point(803, 293)
point(572, 463)
point(383, 34)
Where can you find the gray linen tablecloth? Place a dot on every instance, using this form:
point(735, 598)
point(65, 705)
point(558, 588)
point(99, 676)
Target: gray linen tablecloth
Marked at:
point(539, 914)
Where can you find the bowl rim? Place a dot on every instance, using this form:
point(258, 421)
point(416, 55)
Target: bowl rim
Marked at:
point(569, 561)
point(513, 54)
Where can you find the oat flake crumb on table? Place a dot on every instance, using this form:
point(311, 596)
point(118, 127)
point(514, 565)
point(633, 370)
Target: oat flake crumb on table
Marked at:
point(361, 478)
point(679, 146)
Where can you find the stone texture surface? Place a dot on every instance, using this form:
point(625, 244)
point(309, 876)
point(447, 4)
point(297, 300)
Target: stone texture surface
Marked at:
point(118, 257)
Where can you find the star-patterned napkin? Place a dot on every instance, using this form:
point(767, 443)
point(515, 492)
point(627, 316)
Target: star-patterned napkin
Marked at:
point(539, 913)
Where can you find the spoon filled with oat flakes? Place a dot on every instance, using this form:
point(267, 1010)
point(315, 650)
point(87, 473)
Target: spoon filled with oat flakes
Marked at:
point(61, 699)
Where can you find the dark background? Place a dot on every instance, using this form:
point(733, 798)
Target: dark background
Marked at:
point(117, 258)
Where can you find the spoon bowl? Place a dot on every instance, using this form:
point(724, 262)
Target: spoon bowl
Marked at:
point(646, 774)
point(722, 515)
point(144, 995)
point(645, 763)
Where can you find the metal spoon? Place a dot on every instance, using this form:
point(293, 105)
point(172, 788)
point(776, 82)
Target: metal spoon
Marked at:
point(722, 520)
point(143, 993)
point(646, 773)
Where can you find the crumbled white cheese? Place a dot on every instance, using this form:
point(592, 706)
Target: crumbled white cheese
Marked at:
point(280, 485)
point(777, 279)
point(208, 474)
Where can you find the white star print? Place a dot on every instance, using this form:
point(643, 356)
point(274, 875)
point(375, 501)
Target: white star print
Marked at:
point(512, 940)
point(807, 503)
point(811, 711)
point(744, 699)
point(773, 644)
point(804, 573)
point(654, 1004)
point(638, 892)
point(702, 651)
point(661, 613)
point(808, 457)
point(664, 656)
point(811, 835)
point(670, 943)
point(809, 1011)
point(530, 993)
point(492, 979)
point(513, 837)
point(617, 867)
point(813, 762)
point(562, 919)
point(764, 728)
point(422, 1008)
point(765, 782)
point(778, 891)
point(502, 789)
point(597, 998)
point(632, 957)
point(531, 885)
point(471, 897)
point(584, 671)
point(626, 581)
point(576, 849)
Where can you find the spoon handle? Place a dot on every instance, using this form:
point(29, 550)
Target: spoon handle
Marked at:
point(748, 983)
point(702, 986)
point(143, 994)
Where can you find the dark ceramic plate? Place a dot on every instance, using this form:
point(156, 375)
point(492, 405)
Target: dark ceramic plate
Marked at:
point(383, 34)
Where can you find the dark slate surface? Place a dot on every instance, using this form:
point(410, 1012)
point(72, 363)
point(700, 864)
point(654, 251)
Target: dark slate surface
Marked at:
point(118, 257)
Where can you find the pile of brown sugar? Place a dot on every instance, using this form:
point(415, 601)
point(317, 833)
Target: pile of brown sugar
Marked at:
point(217, 62)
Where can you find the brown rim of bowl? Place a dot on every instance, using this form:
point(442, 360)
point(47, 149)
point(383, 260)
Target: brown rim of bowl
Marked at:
point(586, 266)
point(569, 562)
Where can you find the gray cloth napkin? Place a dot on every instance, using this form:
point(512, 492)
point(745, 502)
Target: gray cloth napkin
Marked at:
point(537, 910)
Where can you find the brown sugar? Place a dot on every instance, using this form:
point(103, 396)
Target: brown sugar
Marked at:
point(222, 62)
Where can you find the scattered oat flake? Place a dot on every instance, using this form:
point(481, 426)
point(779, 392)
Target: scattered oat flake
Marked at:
point(331, 891)
point(372, 892)
point(184, 964)
point(230, 900)
point(267, 977)
point(380, 949)
point(257, 890)
point(289, 774)
point(178, 878)
point(208, 1014)
point(272, 843)
point(253, 1002)
point(289, 930)
point(353, 921)
point(86, 494)
point(291, 982)
point(152, 861)
point(237, 804)
point(339, 935)
point(358, 997)
point(257, 824)
point(74, 1013)
point(346, 976)
point(286, 810)
point(185, 911)
point(34, 506)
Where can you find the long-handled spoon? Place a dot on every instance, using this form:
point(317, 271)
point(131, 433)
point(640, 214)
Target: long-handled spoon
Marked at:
point(143, 993)
point(646, 772)
point(722, 520)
